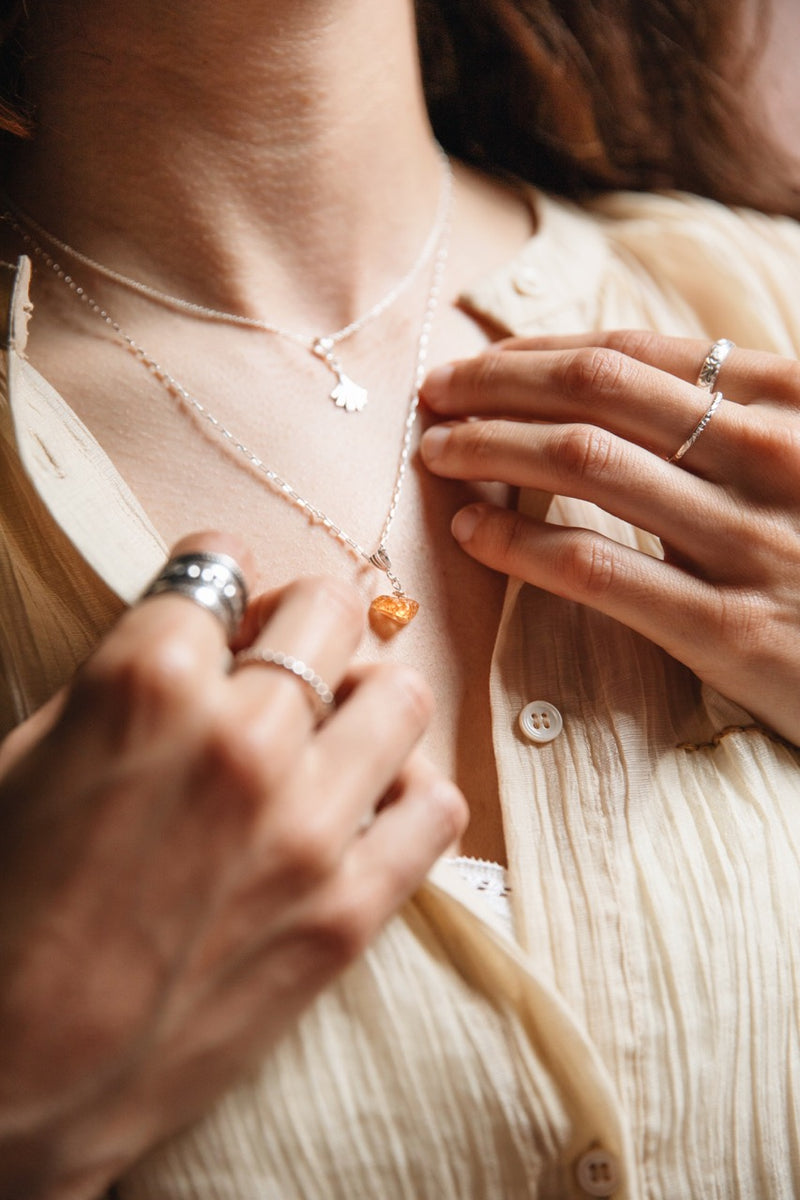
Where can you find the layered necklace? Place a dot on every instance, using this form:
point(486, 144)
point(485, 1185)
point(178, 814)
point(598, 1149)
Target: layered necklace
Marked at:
point(397, 608)
point(345, 392)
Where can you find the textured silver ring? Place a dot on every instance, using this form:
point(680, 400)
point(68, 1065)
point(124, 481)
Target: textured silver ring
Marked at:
point(716, 400)
point(323, 696)
point(214, 581)
point(712, 363)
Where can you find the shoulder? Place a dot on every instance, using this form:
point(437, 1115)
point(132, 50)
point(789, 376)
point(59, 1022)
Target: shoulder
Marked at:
point(659, 223)
point(734, 268)
point(671, 261)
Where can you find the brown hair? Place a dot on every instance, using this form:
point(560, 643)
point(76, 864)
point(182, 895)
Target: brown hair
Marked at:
point(587, 95)
point(14, 117)
point(573, 95)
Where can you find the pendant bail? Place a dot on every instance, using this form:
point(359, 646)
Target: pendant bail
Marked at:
point(381, 560)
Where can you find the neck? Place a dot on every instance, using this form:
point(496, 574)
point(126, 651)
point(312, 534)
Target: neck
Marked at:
point(235, 153)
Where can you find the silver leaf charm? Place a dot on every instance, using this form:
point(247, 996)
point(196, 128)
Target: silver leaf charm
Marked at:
point(349, 395)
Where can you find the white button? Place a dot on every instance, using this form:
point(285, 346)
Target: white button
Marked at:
point(540, 721)
point(597, 1172)
point(529, 281)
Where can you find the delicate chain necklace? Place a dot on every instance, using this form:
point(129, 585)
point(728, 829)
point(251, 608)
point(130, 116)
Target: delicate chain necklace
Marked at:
point(397, 607)
point(346, 393)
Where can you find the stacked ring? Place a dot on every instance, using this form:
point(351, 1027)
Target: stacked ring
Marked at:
point(712, 363)
point(214, 581)
point(716, 400)
point(322, 694)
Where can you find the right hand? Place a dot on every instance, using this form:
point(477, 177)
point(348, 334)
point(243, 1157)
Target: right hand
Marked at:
point(183, 868)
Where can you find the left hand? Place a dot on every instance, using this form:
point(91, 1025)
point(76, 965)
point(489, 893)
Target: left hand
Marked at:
point(596, 417)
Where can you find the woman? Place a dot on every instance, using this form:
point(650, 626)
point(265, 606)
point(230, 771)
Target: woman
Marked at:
point(637, 1036)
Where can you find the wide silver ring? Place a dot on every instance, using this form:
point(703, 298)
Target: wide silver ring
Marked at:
point(214, 581)
point(716, 400)
point(712, 363)
point(322, 695)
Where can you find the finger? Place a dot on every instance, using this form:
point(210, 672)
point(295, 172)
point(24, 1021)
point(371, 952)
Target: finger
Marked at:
point(329, 926)
point(746, 376)
point(380, 868)
point(698, 519)
point(636, 401)
point(317, 621)
point(427, 817)
point(165, 654)
point(361, 750)
point(674, 609)
point(196, 622)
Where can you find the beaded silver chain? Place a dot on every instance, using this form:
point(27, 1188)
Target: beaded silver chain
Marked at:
point(346, 393)
point(379, 558)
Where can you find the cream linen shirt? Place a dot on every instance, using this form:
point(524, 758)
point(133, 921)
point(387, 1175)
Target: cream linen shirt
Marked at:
point(640, 1036)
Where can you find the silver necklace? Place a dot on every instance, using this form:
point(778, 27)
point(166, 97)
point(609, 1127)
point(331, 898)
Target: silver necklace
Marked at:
point(398, 608)
point(345, 393)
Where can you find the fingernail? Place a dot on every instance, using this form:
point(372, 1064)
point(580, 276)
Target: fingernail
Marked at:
point(437, 383)
point(464, 522)
point(433, 442)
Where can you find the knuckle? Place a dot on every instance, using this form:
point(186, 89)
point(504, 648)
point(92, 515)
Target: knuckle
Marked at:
point(411, 698)
point(775, 445)
point(782, 380)
point(506, 540)
point(584, 452)
point(480, 442)
point(590, 373)
point(639, 344)
point(308, 855)
point(587, 564)
point(345, 929)
point(483, 374)
point(244, 765)
point(157, 677)
point(448, 813)
point(768, 453)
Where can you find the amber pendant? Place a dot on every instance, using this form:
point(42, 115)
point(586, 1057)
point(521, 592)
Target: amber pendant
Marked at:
point(398, 608)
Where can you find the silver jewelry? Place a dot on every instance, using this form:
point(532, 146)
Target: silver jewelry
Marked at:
point(214, 581)
point(324, 697)
point(716, 400)
point(712, 363)
point(397, 608)
point(346, 394)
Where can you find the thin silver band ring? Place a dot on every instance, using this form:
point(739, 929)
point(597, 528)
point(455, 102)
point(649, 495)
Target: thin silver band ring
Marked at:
point(214, 581)
point(716, 400)
point(712, 363)
point(323, 696)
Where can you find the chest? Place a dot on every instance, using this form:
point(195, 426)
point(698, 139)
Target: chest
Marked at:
point(209, 458)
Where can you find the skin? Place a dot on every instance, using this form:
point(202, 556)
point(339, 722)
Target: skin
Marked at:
point(120, 1022)
point(306, 218)
point(192, 894)
point(566, 415)
point(277, 191)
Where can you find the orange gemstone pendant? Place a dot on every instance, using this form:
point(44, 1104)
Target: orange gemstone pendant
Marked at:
point(400, 609)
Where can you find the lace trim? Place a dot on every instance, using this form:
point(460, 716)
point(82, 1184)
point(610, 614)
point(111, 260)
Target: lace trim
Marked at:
point(483, 875)
point(491, 880)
